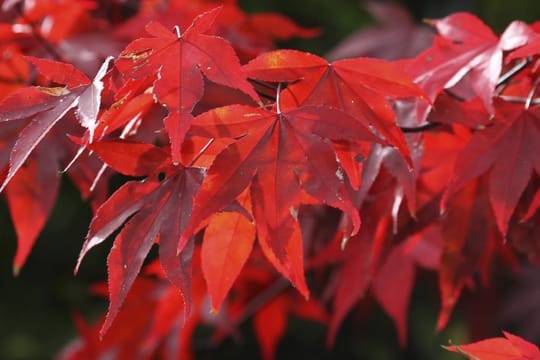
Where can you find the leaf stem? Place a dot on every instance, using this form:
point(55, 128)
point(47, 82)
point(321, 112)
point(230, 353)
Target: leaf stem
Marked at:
point(278, 91)
point(261, 299)
point(518, 99)
point(196, 157)
point(531, 93)
point(513, 71)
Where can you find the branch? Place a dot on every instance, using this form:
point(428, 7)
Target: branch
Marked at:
point(418, 129)
point(256, 303)
point(262, 298)
point(264, 84)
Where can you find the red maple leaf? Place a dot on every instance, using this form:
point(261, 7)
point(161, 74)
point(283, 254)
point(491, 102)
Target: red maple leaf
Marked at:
point(284, 158)
point(227, 244)
point(465, 48)
point(156, 208)
point(507, 150)
point(511, 347)
point(177, 62)
point(42, 107)
point(470, 238)
point(360, 86)
point(35, 152)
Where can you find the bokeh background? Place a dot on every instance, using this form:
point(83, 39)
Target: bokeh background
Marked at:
point(36, 308)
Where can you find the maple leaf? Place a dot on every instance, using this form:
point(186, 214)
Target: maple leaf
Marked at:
point(44, 107)
point(360, 86)
point(511, 347)
point(249, 34)
point(28, 115)
point(178, 60)
point(281, 157)
point(469, 232)
point(227, 244)
point(30, 197)
point(393, 283)
point(157, 209)
point(465, 47)
point(507, 151)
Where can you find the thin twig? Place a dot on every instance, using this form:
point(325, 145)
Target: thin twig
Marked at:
point(278, 92)
point(265, 296)
point(418, 129)
point(199, 154)
point(255, 304)
point(518, 99)
point(513, 71)
point(531, 93)
point(264, 84)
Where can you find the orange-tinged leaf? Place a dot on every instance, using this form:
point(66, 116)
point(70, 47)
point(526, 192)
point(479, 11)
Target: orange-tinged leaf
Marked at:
point(510, 348)
point(361, 87)
point(226, 246)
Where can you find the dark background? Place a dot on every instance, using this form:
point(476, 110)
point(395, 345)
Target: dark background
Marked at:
point(36, 307)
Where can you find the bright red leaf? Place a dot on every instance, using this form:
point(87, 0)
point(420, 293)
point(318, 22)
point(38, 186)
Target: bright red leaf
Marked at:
point(279, 156)
point(177, 59)
point(511, 347)
point(227, 244)
point(361, 87)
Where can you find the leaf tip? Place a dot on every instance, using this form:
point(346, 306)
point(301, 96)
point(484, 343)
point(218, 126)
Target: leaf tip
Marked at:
point(428, 21)
point(16, 270)
point(344, 242)
point(214, 310)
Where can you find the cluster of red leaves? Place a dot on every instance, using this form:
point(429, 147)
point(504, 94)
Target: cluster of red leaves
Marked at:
point(357, 171)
